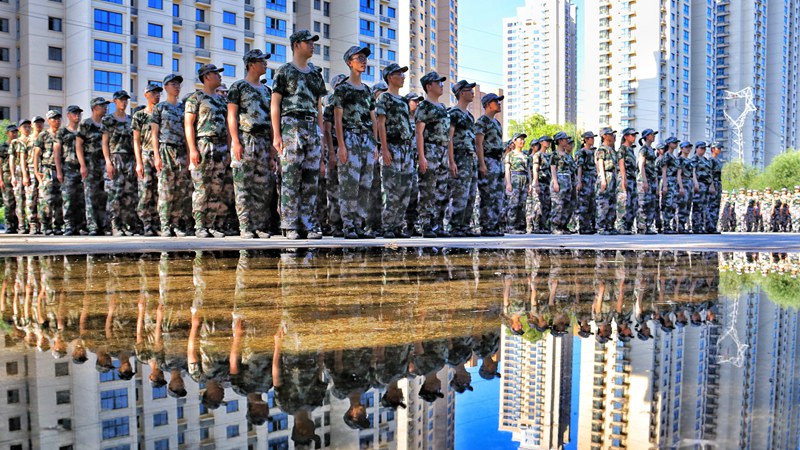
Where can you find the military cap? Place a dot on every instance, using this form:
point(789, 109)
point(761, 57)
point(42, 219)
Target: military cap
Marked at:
point(206, 69)
point(301, 36)
point(767, 189)
point(699, 144)
point(11, 127)
point(628, 131)
point(355, 50)
point(338, 79)
point(74, 109)
point(535, 141)
point(717, 145)
point(671, 140)
point(173, 77)
point(560, 135)
point(255, 55)
point(606, 131)
point(784, 190)
point(648, 132)
point(661, 145)
point(379, 87)
point(52, 114)
point(519, 135)
point(588, 135)
point(797, 188)
point(99, 101)
point(414, 96)
point(461, 85)
point(392, 68)
point(570, 139)
point(152, 87)
point(24, 121)
point(490, 97)
point(431, 77)
point(35, 119)
point(741, 189)
point(686, 144)
point(545, 138)
point(121, 94)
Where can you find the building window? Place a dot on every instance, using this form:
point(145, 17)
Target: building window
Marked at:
point(366, 27)
point(114, 399)
point(5, 113)
point(276, 27)
point(326, 31)
point(277, 51)
point(12, 368)
point(3, 25)
point(55, 83)
point(5, 84)
point(160, 419)
point(107, 51)
point(229, 17)
point(54, 24)
point(367, 6)
point(63, 397)
point(277, 5)
point(200, 15)
point(204, 434)
point(176, 9)
point(229, 44)
point(53, 54)
point(107, 21)
point(115, 427)
point(391, 12)
point(232, 406)
point(159, 392)
point(162, 444)
point(176, 37)
point(391, 33)
point(200, 42)
point(229, 70)
point(326, 9)
point(232, 431)
point(155, 59)
point(5, 54)
point(391, 55)
point(13, 394)
point(107, 82)
point(176, 65)
point(317, 4)
point(155, 30)
point(155, 4)
point(14, 423)
point(326, 53)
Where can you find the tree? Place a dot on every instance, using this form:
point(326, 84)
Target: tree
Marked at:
point(783, 171)
point(3, 136)
point(536, 126)
point(736, 174)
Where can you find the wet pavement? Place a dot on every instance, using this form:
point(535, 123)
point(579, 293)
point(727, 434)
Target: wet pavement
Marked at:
point(401, 348)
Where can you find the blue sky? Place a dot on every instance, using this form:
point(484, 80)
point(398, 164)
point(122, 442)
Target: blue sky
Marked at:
point(477, 417)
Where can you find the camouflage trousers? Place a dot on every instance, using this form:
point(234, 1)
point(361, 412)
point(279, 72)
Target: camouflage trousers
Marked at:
point(462, 189)
point(355, 180)
point(174, 188)
point(794, 215)
point(209, 207)
point(562, 203)
point(545, 204)
point(741, 213)
point(332, 192)
point(413, 197)
point(701, 212)
point(147, 207)
point(684, 206)
point(627, 202)
point(375, 206)
point(433, 188)
point(648, 202)
point(669, 204)
point(32, 200)
point(302, 144)
point(586, 203)
point(606, 203)
point(253, 183)
point(19, 200)
point(94, 193)
point(9, 201)
point(491, 189)
point(714, 205)
point(533, 213)
point(515, 202)
point(51, 216)
point(230, 221)
point(396, 186)
point(321, 206)
point(72, 197)
point(123, 195)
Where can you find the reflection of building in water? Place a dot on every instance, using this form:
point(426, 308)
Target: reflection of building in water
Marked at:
point(423, 425)
point(536, 390)
point(382, 431)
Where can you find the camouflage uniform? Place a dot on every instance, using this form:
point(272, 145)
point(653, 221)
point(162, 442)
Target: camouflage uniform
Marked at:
point(648, 198)
point(669, 200)
point(72, 197)
point(174, 184)
point(93, 187)
point(563, 201)
point(302, 143)
point(463, 187)
point(253, 181)
point(332, 175)
point(50, 213)
point(209, 208)
point(32, 189)
point(742, 201)
point(715, 199)
point(606, 200)
point(433, 184)
point(586, 199)
point(123, 195)
point(685, 203)
point(542, 161)
point(9, 201)
point(794, 211)
point(627, 200)
point(701, 212)
point(396, 178)
point(518, 164)
point(147, 206)
point(491, 186)
point(18, 150)
point(355, 175)
point(767, 210)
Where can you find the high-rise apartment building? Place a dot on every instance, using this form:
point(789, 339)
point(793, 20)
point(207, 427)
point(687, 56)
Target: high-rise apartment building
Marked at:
point(540, 62)
point(55, 53)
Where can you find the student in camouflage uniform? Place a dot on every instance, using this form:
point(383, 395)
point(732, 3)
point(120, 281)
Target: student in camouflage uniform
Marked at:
point(332, 171)
point(32, 189)
point(715, 200)
point(146, 206)
point(627, 199)
point(742, 200)
point(606, 186)
point(518, 178)
point(120, 167)
point(394, 132)
point(533, 209)
point(356, 127)
point(297, 136)
point(489, 148)
point(68, 172)
point(433, 123)
point(689, 185)
point(461, 152)
point(586, 179)
point(647, 183)
point(562, 172)
point(207, 140)
point(540, 171)
point(794, 210)
point(702, 172)
point(171, 161)
point(50, 213)
point(413, 101)
point(660, 149)
point(250, 128)
point(17, 153)
point(767, 210)
point(375, 200)
point(89, 148)
point(9, 201)
point(671, 186)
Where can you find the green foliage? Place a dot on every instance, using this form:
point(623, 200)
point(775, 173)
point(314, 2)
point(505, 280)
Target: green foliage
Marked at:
point(536, 126)
point(783, 171)
point(736, 174)
point(782, 289)
point(3, 124)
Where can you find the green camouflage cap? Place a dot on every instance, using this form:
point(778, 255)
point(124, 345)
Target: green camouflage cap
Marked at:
point(379, 87)
point(301, 36)
point(392, 68)
point(35, 119)
point(121, 94)
point(206, 69)
point(461, 85)
point(97, 101)
point(414, 96)
point(52, 114)
point(74, 109)
point(173, 77)
point(431, 77)
point(255, 55)
point(354, 50)
point(11, 127)
point(153, 87)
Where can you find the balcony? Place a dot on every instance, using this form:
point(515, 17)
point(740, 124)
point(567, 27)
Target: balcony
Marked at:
point(249, 9)
point(386, 41)
point(385, 19)
point(134, 11)
point(202, 27)
point(200, 53)
point(249, 34)
point(177, 49)
point(204, 2)
point(134, 69)
point(134, 40)
point(177, 22)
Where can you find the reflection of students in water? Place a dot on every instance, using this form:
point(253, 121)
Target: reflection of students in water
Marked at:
point(429, 358)
point(513, 305)
point(391, 365)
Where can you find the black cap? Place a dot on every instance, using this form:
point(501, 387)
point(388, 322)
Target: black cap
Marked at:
point(686, 144)
point(491, 97)
point(414, 96)
point(588, 134)
point(152, 87)
point(699, 144)
point(519, 135)
point(607, 130)
point(671, 140)
point(74, 109)
point(355, 50)
point(392, 68)
point(121, 94)
point(560, 135)
point(648, 132)
point(431, 77)
point(461, 85)
point(24, 121)
point(545, 138)
point(255, 55)
point(629, 131)
point(173, 77)
point(717, 145)
point(379, 87)
point(302, 35)
point(11, 127)
point(52, 114)
point(205, 69)
point(35, 119)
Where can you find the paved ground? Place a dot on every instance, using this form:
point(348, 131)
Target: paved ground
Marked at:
point(772, 242)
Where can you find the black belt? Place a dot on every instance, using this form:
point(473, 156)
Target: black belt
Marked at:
point(492, 155)
point(519, 172)
point(305, 117)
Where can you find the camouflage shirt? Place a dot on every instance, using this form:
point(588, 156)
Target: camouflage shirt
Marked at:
point(702, 167)
point(517, 161)
point(254, 107)
point(300, 91)
point(563, 163)
point(604, 157)
point(716, 170)
point(686, 166)
point(436, 120)
point(169, 119)
point(541, 161)
point(92, 135)
point(650, 167)
point(398, 127)
point(4, 153)
point(18, 148)
point(120, 136)
point(141, 123)
point(66, 138)
point(464, 125)
point(211, 112)
point(627, 155)
point(492, 136)
point(585, 160)
point(356, 104)
point(671, 163)
point(45, 142)
point(327, 116)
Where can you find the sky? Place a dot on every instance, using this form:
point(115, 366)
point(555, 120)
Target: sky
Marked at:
point(477, 417)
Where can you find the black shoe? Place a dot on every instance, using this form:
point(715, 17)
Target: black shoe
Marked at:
point(350, 235)
point(402, 234)
point(70, 232)
point(429, 234)
point(93, 233)
point(443, 234)
point(366, 235)
point(148, 231)
point(338, 233)
point(389, 235)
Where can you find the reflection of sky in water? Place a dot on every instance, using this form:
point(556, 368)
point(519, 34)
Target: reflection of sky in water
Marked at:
point(476, 417)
